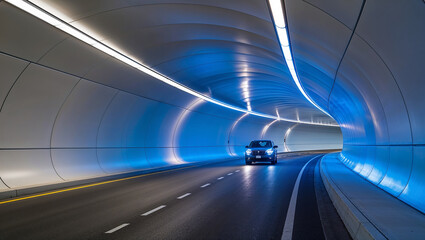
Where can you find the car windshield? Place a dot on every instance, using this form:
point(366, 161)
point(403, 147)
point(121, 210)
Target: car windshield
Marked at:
point(260, 144)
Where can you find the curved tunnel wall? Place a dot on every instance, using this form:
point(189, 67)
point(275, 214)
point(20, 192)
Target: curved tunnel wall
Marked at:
point(65, 103)
point(70, 112)
point(370, 75)
point(304, 137)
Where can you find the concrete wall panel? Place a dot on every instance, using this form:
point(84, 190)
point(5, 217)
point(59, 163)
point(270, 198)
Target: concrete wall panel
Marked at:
point(401, 48)
point(10, 68)
point(309, 137)
point(200, 129)
point(114, 160)
point(243, 132)
point(74, 164)
point(276, 133)
point(115, 121)
point(381, 163)
point(25, 36)
point(399, 169)
point(138, 122)
point(162, 157)
point(111, 72)
point(136, 158)
point(345, 12)
point(3, 186)
point(78, 121)
point(19, 168)
point(414, 193)
point(72, 56)
point(368, 70)
point(198, 154)
point(161, 126)
point(30, 110)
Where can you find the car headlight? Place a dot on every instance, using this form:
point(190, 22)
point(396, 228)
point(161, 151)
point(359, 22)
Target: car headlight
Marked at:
point(269, 151)
point(248, 152)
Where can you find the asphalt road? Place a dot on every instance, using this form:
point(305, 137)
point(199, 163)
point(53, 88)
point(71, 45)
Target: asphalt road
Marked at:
point(227, 200)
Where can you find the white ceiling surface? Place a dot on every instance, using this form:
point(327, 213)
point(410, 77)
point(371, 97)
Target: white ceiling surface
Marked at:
point(226, 49)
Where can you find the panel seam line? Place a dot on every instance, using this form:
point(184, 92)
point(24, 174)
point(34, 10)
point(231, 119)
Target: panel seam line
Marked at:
point(345, 51)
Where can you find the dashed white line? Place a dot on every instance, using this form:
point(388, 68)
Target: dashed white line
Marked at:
point(184, 195)
point(117, 228)
point(154, 210)
point(237, 170)
point(205, 185)
point(230, 173)
point(220, 178)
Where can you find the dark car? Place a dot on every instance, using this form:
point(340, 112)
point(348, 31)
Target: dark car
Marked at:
point(261, 151)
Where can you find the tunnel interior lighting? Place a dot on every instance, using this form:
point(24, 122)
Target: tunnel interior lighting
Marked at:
point(266, 127)
point(277, 114)
point(231, 131)
point(246, 95)
point(278, 16)
point(285, 138)
point(277, 12)
point(86, 37)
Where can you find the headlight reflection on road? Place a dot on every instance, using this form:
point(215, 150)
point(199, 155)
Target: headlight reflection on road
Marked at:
point(271, 174)
point(247, 176)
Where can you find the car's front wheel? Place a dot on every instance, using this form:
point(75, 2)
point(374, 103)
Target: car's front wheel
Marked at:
point(248, 162)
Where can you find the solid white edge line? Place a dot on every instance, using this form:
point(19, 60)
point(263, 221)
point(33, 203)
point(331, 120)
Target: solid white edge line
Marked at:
point(290, 216)
point(117, 228)
point(154, 210)
point(220, 178)
point(205, 185)
point(184, 195)
point(230, 173)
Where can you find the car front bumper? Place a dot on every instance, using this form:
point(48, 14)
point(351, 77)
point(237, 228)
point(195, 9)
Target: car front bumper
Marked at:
point(262, 158)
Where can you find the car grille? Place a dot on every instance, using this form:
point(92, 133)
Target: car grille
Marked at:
point(258, 152)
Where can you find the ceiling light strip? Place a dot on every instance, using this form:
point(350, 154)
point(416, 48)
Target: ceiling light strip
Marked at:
point(62, 25)
point(278, 16)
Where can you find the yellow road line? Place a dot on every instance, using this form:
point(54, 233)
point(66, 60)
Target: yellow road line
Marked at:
point(89, 185)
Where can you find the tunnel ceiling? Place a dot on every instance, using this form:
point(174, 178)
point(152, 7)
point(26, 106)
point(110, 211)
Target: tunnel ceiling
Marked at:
point(225, 49)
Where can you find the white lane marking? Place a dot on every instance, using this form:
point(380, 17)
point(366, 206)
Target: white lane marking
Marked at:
point(230, 173)
point(220, 178)
point(118, 228)
point(154, 210)
point(184, 195)
point(237, 170)
point(289, 221)
point(205, 185)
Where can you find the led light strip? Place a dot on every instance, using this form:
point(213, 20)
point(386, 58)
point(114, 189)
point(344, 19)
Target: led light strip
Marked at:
point(77, 33)
point(282, 34)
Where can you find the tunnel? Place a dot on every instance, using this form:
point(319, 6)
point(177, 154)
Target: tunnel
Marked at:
point(104, 92)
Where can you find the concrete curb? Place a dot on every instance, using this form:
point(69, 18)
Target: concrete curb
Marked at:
point(359, 227)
